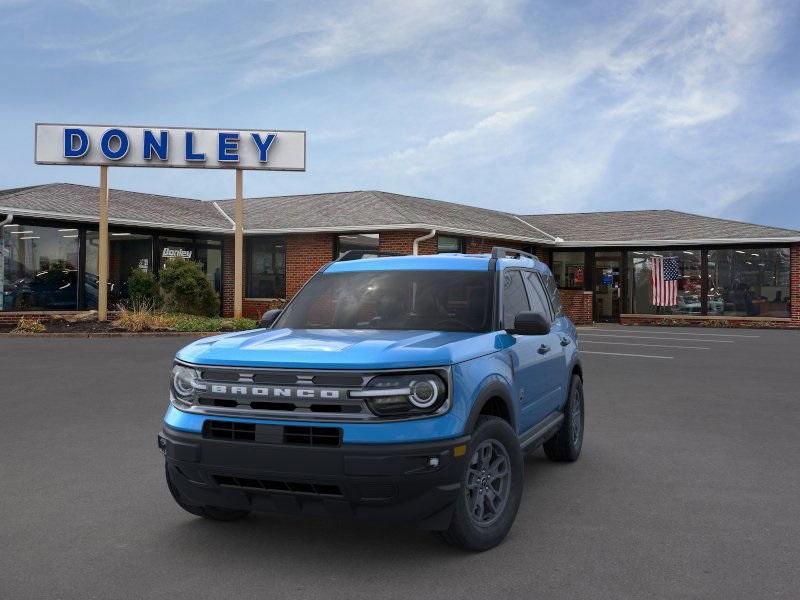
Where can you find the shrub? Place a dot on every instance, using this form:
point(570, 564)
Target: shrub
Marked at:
point(141, 317)
point(26, 325)
point(143, 289)
point(186, 289)
point(194, 323)
point(240, 324)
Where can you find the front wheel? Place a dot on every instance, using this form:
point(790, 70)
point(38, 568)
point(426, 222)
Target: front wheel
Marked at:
point(565, 445)
point(491, 488)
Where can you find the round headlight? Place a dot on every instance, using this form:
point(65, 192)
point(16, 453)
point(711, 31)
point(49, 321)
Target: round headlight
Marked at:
point(424, 393)
point(183, 379)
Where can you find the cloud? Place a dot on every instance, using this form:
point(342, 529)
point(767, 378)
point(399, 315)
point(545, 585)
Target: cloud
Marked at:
point(465, 146)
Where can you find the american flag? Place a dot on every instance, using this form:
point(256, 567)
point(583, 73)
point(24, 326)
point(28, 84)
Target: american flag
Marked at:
point(664, 277)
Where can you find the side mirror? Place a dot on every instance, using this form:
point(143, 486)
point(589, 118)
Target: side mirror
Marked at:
point(269, 317)
point(530, 323)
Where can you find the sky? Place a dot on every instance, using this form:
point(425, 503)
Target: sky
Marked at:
point(529, 107)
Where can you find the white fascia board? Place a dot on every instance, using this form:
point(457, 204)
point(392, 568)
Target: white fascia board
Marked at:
point(400, 227)
point(111, 220)
point(687, 242)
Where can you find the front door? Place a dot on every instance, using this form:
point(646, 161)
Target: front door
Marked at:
point(607, 286)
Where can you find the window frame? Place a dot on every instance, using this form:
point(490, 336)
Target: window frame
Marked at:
point(461, 244)
point(248, 267)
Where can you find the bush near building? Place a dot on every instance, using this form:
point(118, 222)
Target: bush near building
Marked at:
point(143, 289)
point(187, 290)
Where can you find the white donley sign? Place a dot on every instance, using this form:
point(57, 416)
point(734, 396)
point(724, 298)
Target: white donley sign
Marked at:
point(189, 148)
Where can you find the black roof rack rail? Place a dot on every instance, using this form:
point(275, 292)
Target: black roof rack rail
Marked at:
point(358, 254)
point(502, 252)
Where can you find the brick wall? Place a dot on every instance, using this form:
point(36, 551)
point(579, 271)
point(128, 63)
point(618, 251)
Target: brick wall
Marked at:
point(402, 242)
point(305, 254)
point(709, 321)
point(794, 284)
point(485, 245)
point(577, 306)
point(227, 276)
point(253, 309)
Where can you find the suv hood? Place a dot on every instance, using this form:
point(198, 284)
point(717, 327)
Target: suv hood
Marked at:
point(338, 349)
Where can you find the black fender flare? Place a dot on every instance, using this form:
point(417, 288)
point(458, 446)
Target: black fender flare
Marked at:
point(494, 389)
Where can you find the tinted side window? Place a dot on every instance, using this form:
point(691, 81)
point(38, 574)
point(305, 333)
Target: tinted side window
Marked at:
point(537, 295)
point(552, 291)
point(515, 299)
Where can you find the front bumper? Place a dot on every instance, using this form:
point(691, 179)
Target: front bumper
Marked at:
point(416, 482)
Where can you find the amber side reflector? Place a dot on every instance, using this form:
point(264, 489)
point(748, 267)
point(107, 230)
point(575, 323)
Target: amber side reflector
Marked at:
point(459, 450)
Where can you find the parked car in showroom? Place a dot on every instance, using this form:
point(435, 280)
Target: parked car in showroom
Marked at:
point(402, 389)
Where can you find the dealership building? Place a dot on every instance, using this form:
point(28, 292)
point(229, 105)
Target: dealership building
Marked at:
point(610, 266)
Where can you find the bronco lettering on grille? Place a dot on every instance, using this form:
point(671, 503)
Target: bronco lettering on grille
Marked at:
point(276, 392)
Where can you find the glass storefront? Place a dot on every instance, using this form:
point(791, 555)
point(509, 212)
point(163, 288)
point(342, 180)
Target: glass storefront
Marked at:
point(607, 285)
point(39, 267)
point(665, 282)
point(209, 255)
point(569, 269)
point(128, 251)
point(749, 282)
point(266, 267)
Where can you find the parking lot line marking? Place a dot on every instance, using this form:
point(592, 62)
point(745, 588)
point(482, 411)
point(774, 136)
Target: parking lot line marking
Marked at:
point(648, 345)
point(650, 337)
point(623, 354)
point(735, 335)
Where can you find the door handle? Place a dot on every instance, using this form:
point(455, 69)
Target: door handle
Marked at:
point(543, 349)
point(565, 341)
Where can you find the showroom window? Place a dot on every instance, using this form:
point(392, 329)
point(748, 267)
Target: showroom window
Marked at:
point(39, 267)
point(368, 242)
point(666, 282)
point(128, 252)
point(569, 269)
point(448, 243)
point(266, 267)
point(209, 255)
point(748, 282)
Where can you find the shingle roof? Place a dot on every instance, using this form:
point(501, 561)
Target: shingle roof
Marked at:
point(650, 225)
point(71, 201)
point(373, 210)
point(364, 211)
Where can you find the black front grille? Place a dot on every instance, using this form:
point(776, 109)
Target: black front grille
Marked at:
point(312, 436)
point(273, 434)
point(270, 485)
point(230, 430)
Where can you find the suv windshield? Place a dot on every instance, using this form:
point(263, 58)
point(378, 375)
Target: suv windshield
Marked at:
point(429, 300)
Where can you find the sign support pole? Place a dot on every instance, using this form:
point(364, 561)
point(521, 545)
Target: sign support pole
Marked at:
point(102, 256)
point(238, 255)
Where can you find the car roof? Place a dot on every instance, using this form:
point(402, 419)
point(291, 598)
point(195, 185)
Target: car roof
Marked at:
point(432, 262)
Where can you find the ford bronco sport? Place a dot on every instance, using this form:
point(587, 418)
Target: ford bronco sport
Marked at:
point(403, 389)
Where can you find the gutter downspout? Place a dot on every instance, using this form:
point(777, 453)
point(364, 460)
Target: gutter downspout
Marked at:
point(7, 220)
point(427, 236)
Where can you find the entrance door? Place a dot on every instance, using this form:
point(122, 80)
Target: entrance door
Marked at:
point(607, 286)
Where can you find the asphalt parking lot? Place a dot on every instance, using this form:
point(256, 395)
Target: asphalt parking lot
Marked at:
point(688, 487)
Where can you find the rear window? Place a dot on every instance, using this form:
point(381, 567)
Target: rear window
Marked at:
point(552, 291)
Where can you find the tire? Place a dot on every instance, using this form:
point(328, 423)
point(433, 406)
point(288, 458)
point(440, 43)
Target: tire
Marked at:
point(215, 513)
point(566, 444)
point(482, 519)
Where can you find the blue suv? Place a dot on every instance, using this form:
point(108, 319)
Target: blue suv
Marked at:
point(405, 389)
